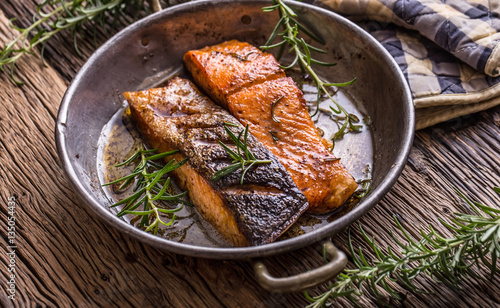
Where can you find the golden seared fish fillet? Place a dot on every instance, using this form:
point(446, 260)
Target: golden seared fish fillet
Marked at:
point(179, 117)
point(252, 86)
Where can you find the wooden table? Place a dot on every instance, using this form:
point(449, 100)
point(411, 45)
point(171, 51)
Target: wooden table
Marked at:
point(67, 257)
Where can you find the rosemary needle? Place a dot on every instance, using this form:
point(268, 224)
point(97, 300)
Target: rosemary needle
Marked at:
point(243, 158)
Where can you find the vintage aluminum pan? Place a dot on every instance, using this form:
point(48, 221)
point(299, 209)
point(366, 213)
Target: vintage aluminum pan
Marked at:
point(141, 53)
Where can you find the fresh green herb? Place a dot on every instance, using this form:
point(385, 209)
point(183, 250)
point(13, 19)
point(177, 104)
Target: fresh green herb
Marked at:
point(151, 189)
point(366, 183)
point(53, 16)
point(243, 158)
point(302, 51)
point(347, 126)
point(476, 240)
point(364, 190)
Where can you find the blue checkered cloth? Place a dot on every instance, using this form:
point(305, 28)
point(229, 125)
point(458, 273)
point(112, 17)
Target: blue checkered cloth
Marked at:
point(448, 50)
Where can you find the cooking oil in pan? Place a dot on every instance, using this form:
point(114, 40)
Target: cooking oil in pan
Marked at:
point(120, 139)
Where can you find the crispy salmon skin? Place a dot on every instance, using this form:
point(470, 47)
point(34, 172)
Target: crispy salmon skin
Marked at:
point(261, 96)
point(179, 117)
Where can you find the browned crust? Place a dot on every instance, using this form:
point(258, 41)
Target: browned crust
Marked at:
point(208, 202)
point(224, 71)
point(180, 117)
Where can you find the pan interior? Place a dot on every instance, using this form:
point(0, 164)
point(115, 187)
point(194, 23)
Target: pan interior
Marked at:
point(150, 50)
point(119, 139)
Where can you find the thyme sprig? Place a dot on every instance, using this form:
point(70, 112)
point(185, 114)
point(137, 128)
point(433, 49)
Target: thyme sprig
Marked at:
point(243, 158)
point(54, 16)
point(476, 241)
point(302, 50)
point(152, 189)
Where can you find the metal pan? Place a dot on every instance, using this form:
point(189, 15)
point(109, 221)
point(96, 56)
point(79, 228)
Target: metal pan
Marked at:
point(153, 46)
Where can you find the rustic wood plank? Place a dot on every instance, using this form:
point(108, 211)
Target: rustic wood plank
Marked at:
point(60, 52)
point(68, 257)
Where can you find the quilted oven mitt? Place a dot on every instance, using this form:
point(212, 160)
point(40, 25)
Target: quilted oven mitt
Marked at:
point(448, 50)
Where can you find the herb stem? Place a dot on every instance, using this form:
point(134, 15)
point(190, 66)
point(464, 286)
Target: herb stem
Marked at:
point(241, 159)
point(66, 15)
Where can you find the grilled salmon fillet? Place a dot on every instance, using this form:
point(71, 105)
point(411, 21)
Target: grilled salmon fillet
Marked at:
point(252, 86)
point(179, 117)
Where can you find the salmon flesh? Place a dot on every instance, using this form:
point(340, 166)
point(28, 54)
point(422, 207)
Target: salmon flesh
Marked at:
point(179, 117)
point(252, 86)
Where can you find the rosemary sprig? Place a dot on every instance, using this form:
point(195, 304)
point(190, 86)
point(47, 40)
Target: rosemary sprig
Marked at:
point(151, 188)
point(302, 51)
point(243, 158)
point(61, 15)
point(476, 240)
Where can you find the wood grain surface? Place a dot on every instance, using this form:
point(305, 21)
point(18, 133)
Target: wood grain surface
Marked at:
point(67, 257)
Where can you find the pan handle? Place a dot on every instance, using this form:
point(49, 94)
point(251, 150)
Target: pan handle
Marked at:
point(155, 5)
point(338, 261)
